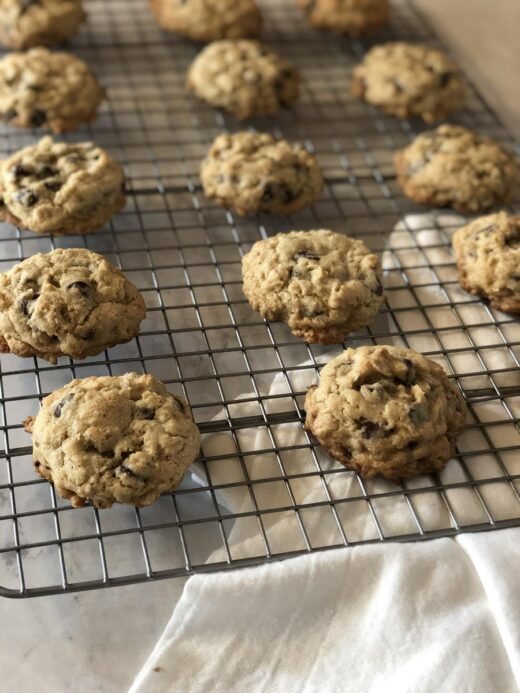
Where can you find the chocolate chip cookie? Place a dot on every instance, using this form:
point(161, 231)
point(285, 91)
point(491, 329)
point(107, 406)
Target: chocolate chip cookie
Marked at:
point(244, 78)
point(253, 173)
point(27, 23)
point(406, 79)
point(58, 188)
point(106, 440)
point(386, 410)
point(322, 284)
point(209, 20)
point(40, 89)
point(454, 167)
point(488, 259)
point(352, 17)
point(69, 302)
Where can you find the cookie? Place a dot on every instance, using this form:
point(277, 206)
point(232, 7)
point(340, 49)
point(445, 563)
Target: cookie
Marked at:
point(69, 302)
point(27, 23)
point(406, 79)
point(58, 188)
point(383, 410)
point(56, 91)
point(244, 78)
point(352, 17)
point(209, 20)
point(488, 259)
point(106, 440)
point(322, 284)
point(253, 173)
point(454, 167)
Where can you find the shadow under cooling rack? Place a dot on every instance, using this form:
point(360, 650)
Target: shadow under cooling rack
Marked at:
point(262, 489)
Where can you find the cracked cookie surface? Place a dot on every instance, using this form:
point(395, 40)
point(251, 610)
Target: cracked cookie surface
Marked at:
point(59, 188)
point(209, 20)
point(455, 167)
point(28, 23)
point(244, 78)
point(488, 259)
point(253, 173)
point(69, 302)
point(406, 79)
point(352, 17)
point(107, 440)
point(386, 411)
point(322, 284)
point(40, 89)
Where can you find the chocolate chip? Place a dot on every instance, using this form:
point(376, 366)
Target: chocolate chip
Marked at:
point(379, 289)
point(127, 470)
point(145, 413)
point(307, 255)
point(417, 414)
point(346, 453)
point(370, 429)
point(47, 172)
point(26, 197)
point(38, 118)
point(445, 78)
point(53, 186)
point(11, 114)
point(408, 378)
point(19, 171)
point(268, 194)
point(82, 287)
point(93, 449)
point(513, 240)
point(26, 302)
point(59, 409)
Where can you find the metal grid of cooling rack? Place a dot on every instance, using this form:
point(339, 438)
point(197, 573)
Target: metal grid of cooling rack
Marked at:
point(262, 490)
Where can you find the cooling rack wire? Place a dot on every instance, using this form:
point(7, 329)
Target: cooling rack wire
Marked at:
point(263, 490)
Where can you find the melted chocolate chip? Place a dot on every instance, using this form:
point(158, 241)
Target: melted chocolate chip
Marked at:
point(11, 114)
point(59, 409)
point(417, 415)
point(47, 172)
point(93, 449)
point(19, 171)
point(145, 413)
point(123, 468)
point(25, 304)
point(409, 377)
point(268, 194)
point(347, 454)
point(513, 240)
point(38, 118)
point(307, 255)
point(26, 197)
point(445, 78)
point(370, 429)
point(82, 287)
point(53, 186)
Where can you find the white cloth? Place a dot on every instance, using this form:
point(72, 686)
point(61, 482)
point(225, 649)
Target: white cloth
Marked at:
point(440, 615)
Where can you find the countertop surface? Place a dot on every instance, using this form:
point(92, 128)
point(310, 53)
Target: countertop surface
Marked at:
point(83, 642)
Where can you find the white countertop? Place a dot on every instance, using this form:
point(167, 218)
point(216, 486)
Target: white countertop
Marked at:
point(83, 642)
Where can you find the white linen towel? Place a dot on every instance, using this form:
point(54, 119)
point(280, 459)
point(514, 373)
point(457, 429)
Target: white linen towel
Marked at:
point(442, 615)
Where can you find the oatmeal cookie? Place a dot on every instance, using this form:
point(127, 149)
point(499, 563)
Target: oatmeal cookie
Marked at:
point(106, 440)
point(386, 410)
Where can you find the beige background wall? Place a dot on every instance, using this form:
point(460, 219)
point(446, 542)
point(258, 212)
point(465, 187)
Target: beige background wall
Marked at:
point(484, 35)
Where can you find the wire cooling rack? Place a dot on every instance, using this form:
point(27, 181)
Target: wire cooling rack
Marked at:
point(263, 489)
